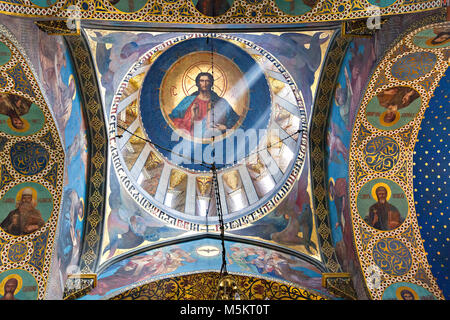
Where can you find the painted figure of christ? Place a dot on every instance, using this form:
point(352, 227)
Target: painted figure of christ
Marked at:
point(204, 114)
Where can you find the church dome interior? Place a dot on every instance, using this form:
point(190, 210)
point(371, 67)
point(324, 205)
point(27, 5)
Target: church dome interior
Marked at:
point(224, 150)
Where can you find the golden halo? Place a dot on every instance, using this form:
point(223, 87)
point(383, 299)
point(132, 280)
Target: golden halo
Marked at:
point(220, 78)
point(388, 124)
point(400, 289)
point(11, 276)
point(34, 195)
point(26, 125)
point(81, 217)
point(331, 182)
point(381, 184)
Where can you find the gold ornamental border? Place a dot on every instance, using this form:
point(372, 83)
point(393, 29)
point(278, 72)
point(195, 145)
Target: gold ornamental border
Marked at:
point(97, 136)
point(241, 11)
point(39, 244)
point(408, 233)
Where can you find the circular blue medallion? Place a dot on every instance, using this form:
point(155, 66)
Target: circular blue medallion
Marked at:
point(414, 66)
point(392, 256)
point(28, 158)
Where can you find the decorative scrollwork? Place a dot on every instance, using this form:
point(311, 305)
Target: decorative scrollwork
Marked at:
point(381, 154)
point(21, 82)
point(203, 286)
point(17, 252)
point(28, 158)
point(392, 256)
point(414, 66)
point(37, 259)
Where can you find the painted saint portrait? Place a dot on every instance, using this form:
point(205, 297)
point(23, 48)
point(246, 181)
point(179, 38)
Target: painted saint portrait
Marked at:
point(390, 207)
point(200, 94)
point(25, 218)
point(9, 289)
point(17, 284)
point(19, 116)
point(382, 214)
point(395, 98)
point(436, 37)
point(14, 107)
point(204, 110)
point(393, 107)
point(408, 294)
point(26, 208)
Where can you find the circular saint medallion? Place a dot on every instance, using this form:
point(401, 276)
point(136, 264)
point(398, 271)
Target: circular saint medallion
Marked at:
point(18, 284)
point(382, 204)
point(393, 108)
point(228, 90)
point(19, 116)
point(26, 208)
point(199, 92)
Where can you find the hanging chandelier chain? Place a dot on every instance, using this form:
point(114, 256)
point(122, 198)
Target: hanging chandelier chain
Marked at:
point(223, 269)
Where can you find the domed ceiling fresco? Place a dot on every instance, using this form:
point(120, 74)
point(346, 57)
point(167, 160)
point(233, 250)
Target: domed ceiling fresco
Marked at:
point(160, 143)
point(162, 152)
point(258, 143)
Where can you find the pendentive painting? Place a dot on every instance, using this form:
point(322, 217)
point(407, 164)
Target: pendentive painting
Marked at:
point(356, 67)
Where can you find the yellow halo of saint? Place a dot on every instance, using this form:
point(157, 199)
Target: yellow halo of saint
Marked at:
point(33, 195)
point(388, 124)
point(11, 276)
point(26, 125)
point(398, 292)
point(381, 184)
point(81, 216)
point(331, 183)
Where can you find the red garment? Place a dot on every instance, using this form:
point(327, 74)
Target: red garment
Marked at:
point(187, 122)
